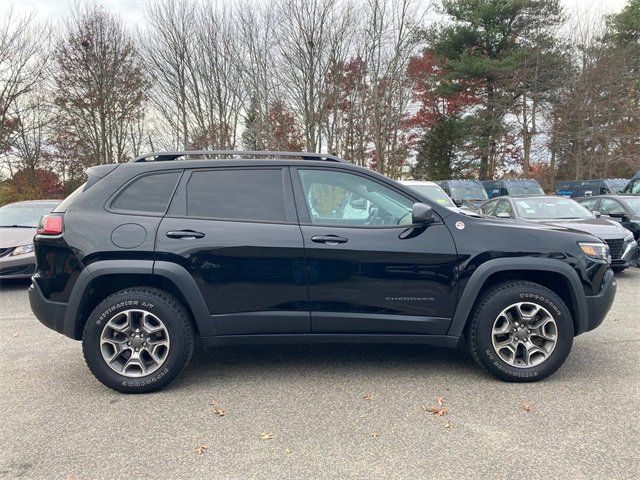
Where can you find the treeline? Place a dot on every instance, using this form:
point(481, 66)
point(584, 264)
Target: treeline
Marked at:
point(459, 88)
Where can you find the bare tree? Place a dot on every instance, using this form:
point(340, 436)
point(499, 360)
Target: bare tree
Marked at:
point(23, 56)
point(309, 43)
point(257, 29)
point(168, 44)
point(389, 39)
point(100, 85)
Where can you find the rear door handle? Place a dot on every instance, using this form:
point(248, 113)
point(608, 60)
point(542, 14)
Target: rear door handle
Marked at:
point(329, 239)
point(185, 234)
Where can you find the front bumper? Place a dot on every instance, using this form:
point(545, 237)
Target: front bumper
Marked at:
point(598, 305)
point(20, 266)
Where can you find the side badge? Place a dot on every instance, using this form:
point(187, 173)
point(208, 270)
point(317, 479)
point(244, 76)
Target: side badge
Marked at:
point(460, 225)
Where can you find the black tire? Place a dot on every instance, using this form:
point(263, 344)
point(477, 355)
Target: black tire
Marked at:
point(618, 269)
point(166, 308)
point(479, 332)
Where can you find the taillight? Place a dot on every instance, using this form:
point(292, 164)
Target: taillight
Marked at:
point(50, 225)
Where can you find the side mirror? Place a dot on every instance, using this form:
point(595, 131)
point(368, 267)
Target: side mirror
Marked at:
point(503, 215)
point(421, 213)
point(597, 214)
point(621, 217)
point(458, 202)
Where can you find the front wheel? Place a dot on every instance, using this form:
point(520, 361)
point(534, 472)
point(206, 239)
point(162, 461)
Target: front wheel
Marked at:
point(137, 340)
point(520, 332)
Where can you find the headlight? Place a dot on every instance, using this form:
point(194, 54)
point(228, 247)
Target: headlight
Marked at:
point(21, 250)
point(596, 250)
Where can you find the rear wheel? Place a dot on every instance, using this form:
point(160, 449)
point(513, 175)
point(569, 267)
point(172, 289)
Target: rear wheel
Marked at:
point(138, 340)
point(520, 332)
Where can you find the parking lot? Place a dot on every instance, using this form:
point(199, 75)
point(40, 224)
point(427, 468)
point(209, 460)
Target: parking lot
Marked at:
point(335, 411)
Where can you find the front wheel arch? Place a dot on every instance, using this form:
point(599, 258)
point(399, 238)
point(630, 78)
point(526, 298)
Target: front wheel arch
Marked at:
point(555, 275)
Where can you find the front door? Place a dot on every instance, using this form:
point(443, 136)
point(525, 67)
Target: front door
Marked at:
point(369, 270)
point(236, 231)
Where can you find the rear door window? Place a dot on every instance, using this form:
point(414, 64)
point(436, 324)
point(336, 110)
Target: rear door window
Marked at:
point(149, 193)
point(237, 194)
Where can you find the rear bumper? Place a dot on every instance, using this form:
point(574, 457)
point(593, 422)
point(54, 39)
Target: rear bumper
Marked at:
point(598, 305)
point(50, 314)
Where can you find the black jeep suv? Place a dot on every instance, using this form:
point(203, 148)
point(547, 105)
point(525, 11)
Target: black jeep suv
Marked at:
point(298, 247)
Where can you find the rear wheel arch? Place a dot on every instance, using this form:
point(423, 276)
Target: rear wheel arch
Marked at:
point(555, 275)
point(104, 278)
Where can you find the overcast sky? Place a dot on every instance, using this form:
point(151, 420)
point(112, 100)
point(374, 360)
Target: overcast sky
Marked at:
point(132, 11)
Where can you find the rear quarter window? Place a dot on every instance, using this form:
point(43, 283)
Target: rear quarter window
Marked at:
point(149, 193)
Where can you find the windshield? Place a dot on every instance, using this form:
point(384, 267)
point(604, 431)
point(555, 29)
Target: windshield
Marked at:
point(557, 208)
point(434, 193)
point(617, 184)
point(23, 214)
point(469, 193)
point(526, 190)
point(633, 204)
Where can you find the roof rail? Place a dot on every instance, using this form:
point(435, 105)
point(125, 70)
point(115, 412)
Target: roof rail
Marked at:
point(165, 156)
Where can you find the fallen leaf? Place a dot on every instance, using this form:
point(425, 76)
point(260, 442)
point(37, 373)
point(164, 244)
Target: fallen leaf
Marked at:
point(375, 434)
point(440, 400)
point(200, 449)
point(367, 396)
point(526, 407)
point(219, 411)
point(439, 411)
point(266, 436)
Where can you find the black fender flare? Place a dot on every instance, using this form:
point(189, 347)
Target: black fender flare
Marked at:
point(483, 272)
point(172, 272)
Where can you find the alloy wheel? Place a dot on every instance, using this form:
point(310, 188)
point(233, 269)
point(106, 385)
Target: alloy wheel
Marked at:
point(524, 335)
point(134, 343)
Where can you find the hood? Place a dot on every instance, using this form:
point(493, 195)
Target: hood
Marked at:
point(600, 227)
point(14, 237)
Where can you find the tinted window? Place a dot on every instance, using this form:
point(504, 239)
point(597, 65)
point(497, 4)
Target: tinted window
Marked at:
point(609, 206)
point(590, 204)
point(240, 194)
point(504, 207)
point(330, 200)
point(151, 193)
point(488, 207)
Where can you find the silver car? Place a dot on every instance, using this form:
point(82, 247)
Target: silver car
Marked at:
point(18, 224)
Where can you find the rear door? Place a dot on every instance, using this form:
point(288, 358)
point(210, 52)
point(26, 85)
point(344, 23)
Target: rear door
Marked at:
point(369, 270)
point(235, 230)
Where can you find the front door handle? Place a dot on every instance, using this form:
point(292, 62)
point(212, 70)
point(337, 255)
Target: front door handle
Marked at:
point(185, 234)
point(329, 239)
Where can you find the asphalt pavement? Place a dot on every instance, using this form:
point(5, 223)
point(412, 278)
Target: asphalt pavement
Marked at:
point(325, 412)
